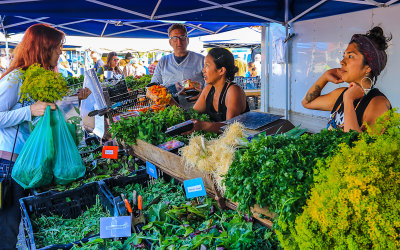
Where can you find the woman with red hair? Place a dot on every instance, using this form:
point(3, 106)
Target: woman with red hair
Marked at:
point(41, 44)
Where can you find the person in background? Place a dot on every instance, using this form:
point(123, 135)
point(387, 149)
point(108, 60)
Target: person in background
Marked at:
point(241, 65)
point(144, 65)
point(257, 63)
point(112, 65)
point(41, 44)
point(363, 61)
point(221, 99)
point(63, 66)
point(251, 70)
point(181, 65)
point(152, 67)
point(98, 62)
point(139, 69)
point(129, 70)
point(125, 61)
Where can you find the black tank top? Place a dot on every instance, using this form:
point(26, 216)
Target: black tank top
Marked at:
point(219, 116)
point(360, 105)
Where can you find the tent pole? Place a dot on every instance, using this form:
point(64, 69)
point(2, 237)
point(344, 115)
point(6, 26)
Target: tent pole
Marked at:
point(5, 37)
point(287, 106)
point(265, 64)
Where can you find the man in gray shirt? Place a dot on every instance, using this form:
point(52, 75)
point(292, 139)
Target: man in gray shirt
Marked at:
point(180, 65)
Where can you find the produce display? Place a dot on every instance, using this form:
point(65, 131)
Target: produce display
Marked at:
point(150, 126)
point(355, 201)
point(158, 94)
point(329, 190)
point(42, 85)
point(277, 172)
point(214, 156)
point(176, 223)
point(137, 82)
point(54, 229)
point(73, 80)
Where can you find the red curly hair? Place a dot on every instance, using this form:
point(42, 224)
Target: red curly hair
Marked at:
point(36, 46)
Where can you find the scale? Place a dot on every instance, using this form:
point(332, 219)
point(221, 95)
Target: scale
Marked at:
point(256, 122)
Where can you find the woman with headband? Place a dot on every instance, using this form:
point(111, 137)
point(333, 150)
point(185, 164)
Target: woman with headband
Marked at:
point(363, 61)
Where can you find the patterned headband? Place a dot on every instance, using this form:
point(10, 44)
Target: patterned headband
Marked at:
point(376, 58)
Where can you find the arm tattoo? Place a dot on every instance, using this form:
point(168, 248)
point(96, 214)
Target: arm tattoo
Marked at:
point(314, 94)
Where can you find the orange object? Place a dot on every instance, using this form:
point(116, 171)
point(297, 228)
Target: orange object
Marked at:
point(140, 202)
point(110, 152)
point(127, 205)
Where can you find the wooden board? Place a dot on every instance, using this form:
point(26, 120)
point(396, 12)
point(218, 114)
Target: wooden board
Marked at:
point(172, 165)
point(252, 92)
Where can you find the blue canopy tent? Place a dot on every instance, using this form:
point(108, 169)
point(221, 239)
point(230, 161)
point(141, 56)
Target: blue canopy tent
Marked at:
point(145, 19)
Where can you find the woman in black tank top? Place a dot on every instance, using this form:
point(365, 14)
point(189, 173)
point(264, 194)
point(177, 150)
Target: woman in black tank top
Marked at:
point(221, 99)
point(363, 61)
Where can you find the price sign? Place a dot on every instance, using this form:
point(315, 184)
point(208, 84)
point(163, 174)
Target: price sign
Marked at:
point(151, 170)
point(194, 188)
point(111, 227)
point(110, 152)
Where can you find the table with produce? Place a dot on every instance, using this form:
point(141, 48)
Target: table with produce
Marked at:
point(290, 189)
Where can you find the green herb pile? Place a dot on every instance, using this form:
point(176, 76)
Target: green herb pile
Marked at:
point(175, 223)
point(277, 172)
point(355, 203)
point(74, 83)
point(50, 230)
point(72, 80)
point(133, 82)
point(42, 85)
point(150, 126)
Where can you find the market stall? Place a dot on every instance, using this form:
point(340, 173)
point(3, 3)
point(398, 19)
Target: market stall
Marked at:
point(324, 190)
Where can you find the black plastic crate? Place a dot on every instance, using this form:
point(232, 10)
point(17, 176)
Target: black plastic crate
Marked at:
point(140, 176)
point(117, 89)
point(69, 204)
point(129, 95)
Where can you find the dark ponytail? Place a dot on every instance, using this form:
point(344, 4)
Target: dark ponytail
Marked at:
point(224, 58)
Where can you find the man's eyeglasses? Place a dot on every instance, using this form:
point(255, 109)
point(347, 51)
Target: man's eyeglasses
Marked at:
point(175, 38)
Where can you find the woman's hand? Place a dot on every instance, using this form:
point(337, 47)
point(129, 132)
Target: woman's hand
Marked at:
point(83, 93)
point(333, 75)
point(39, 107)
point(197, 125)
point(354, 92)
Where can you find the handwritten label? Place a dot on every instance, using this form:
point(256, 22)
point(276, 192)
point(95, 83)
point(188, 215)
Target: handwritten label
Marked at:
point(151, 170)
point(110, 152)
point(111, 227)
point(194, 188)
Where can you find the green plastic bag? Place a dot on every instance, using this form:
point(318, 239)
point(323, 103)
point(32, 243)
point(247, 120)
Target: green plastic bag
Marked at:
point(72, 130)
point(68, 164)
point(34, 165)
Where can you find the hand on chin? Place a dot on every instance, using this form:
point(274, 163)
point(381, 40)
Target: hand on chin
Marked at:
point(354, 92)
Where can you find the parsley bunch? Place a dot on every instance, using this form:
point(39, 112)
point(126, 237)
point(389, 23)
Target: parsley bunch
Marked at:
point(277, 172)
point(43, 85)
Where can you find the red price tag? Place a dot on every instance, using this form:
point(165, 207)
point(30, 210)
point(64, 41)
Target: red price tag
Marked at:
point(110, 152)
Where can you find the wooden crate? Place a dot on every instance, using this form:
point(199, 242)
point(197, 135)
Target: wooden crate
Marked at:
point(170, 163)
point(173, 165)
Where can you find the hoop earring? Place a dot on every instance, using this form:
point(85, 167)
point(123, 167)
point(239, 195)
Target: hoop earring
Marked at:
point(366, 91)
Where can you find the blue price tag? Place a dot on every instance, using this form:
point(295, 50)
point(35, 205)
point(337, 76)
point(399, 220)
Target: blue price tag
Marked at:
point(111, 227)
point(194, 188)
point(151, 170)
